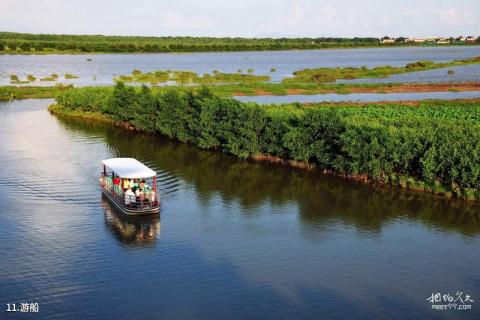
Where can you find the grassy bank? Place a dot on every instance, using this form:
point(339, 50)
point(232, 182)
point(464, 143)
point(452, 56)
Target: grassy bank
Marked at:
point(25, 43)
point(433, 146)
point(255, 89)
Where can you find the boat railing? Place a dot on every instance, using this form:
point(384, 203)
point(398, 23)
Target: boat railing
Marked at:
point(145, 201)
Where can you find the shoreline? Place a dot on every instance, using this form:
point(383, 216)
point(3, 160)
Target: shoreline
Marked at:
point(393, 180)
point(386, 46)
point(46, 92)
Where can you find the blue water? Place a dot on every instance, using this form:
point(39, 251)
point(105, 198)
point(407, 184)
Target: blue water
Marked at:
point(103, 67)
point(234, 240)
point(358, 97)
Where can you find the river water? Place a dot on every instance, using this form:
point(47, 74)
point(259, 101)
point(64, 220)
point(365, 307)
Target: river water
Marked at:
point(360, 97)
point(234, 239)
point(104, 67)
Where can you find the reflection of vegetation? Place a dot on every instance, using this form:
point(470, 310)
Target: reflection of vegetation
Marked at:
point(433, 146)
point(319, 198)
point(189, 77)
point(325, 75)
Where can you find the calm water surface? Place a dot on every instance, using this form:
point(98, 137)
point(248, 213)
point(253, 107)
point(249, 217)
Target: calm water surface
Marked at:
point(364, 97)
point(104, 67)
point(235, 239)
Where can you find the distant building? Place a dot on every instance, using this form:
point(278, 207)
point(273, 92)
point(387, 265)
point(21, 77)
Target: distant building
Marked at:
point(418, 40)
point(431, 39)
point(392, 40)
point(443, 41)
point(470, 39)
point(460, 39)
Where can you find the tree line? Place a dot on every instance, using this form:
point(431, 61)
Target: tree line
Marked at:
point(25, 42)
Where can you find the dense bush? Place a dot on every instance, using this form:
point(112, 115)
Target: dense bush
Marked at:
point(436, 143)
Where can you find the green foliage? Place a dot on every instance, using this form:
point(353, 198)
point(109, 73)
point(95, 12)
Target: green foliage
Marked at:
point(30, 77)
point(435, 146)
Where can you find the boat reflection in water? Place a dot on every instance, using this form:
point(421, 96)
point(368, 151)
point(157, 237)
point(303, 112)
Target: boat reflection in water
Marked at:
point(131, 230)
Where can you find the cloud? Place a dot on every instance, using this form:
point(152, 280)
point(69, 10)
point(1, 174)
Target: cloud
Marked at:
point(250, 18)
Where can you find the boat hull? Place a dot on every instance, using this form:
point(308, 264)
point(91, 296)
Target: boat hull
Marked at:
point(129, 211)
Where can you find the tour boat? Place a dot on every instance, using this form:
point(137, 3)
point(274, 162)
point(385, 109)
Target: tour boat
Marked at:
point(130, 186)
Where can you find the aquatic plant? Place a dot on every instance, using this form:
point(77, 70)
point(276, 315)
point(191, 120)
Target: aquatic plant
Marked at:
point(273, 70)
point(70, 76)
point(189, 77)
point(48, 79)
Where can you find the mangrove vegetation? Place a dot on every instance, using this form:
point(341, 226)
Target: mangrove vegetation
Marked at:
point(432, 146)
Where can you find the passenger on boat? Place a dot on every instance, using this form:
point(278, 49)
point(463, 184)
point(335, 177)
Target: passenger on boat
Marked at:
point(129, 197)
point(134, 183)
point(126, 185)
point(139, 192)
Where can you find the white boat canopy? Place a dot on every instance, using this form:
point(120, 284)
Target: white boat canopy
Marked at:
point(129, 168)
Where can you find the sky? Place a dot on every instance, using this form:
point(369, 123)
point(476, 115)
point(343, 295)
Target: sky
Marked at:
point(244, 18)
